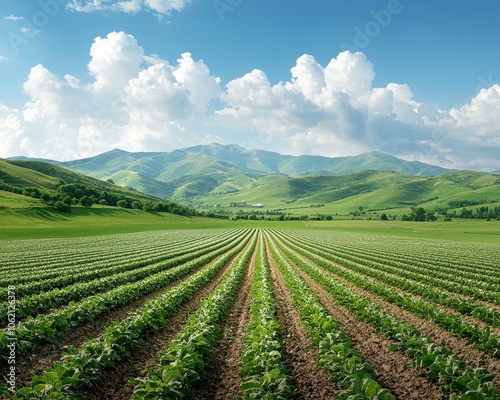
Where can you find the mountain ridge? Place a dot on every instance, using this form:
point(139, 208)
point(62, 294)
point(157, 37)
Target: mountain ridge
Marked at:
point(214, 168)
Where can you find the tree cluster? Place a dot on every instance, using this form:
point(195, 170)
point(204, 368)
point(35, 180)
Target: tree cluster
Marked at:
point(67, 195)
point(483, 212)
point(419, 214)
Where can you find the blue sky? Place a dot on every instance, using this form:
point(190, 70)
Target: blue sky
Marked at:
point(419, 80)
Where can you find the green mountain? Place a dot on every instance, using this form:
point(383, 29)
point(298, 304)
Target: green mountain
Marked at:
point(214, 169)
point(230, 177)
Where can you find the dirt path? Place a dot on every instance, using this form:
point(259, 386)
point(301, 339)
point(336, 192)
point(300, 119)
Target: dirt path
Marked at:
point(36, 362)
point(311, 383)
point(390, 367)
point(223, 381)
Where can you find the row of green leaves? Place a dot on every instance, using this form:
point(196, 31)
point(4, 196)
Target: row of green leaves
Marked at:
point(436, 362)
point(434, 293)
point(461, 256)
point(100, 255)
point(91, 271)
point(477, 289)
point(31, 333)
point(40, 302)
point(82, 367)
point(480, 338)
point(396, 253)
point(335, 351)
point(262, 364)
point(187, 356)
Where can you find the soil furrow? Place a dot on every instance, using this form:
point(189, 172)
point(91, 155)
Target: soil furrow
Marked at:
point(311, 383)
point(222, 381)
point(34, 363)
point(391, 368)
point(473, 357)
point(115, 384)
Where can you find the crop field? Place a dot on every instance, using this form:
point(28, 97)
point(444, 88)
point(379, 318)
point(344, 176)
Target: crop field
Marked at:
point(249, 313)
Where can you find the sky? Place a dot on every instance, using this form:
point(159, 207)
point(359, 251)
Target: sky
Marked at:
point(418, 79)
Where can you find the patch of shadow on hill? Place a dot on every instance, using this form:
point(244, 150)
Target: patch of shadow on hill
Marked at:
point(42, 213)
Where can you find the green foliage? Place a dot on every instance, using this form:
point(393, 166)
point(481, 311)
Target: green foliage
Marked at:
point(184, 362)
point(62, 206)
point(85, 364)
point(262, 364)
point(122, 203)
point(87, 201)
point(335, 352)
point(436, 362)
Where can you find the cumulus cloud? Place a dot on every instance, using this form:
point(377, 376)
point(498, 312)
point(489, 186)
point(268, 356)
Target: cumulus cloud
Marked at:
point(144, 103)
point(336, 109)
point(161, 7)
point(128, 103)
point(115, 60)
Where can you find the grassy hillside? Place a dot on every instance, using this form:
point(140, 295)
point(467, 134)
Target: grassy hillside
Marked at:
point(48, 176)
point(24, 218)
point(370, 190)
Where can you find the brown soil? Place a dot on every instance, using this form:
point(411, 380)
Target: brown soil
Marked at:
point(464, 296)
point(391, 368)
point(35, 363)
point(311, 383)
point(473, 357)
point(115, 381)
point(223, 381)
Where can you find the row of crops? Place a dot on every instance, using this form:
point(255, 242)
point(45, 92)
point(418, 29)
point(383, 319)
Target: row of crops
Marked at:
point(135, 285)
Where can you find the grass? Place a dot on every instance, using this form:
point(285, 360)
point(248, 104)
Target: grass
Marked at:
point(24, 218)
point(467, 230)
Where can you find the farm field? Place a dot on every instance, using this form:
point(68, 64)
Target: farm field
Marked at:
point(245, 312)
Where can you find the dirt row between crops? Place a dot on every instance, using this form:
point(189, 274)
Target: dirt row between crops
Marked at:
point(115, 384)
point(464, 296)
point(36, 362)
point(467, 318)
point(311, 383)
point(222, 380)
point(473, 357)
point(391, 368)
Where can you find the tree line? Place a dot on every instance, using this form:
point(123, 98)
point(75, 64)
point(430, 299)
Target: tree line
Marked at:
point(67, 195)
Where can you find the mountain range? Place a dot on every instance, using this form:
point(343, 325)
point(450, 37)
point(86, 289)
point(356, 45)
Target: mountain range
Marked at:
point(226, 176)
point(207, 169)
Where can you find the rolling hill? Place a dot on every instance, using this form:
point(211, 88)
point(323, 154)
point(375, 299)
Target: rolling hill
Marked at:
point(372, 190)
point(48, 176)
point(224, 176)
point(185, 174)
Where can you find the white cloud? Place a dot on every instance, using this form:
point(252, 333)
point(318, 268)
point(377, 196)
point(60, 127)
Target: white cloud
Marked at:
point(161, 7)
point(13, 17)
point(166, 6)
point(115, 60)
point(140, 102)
point(3, 58)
